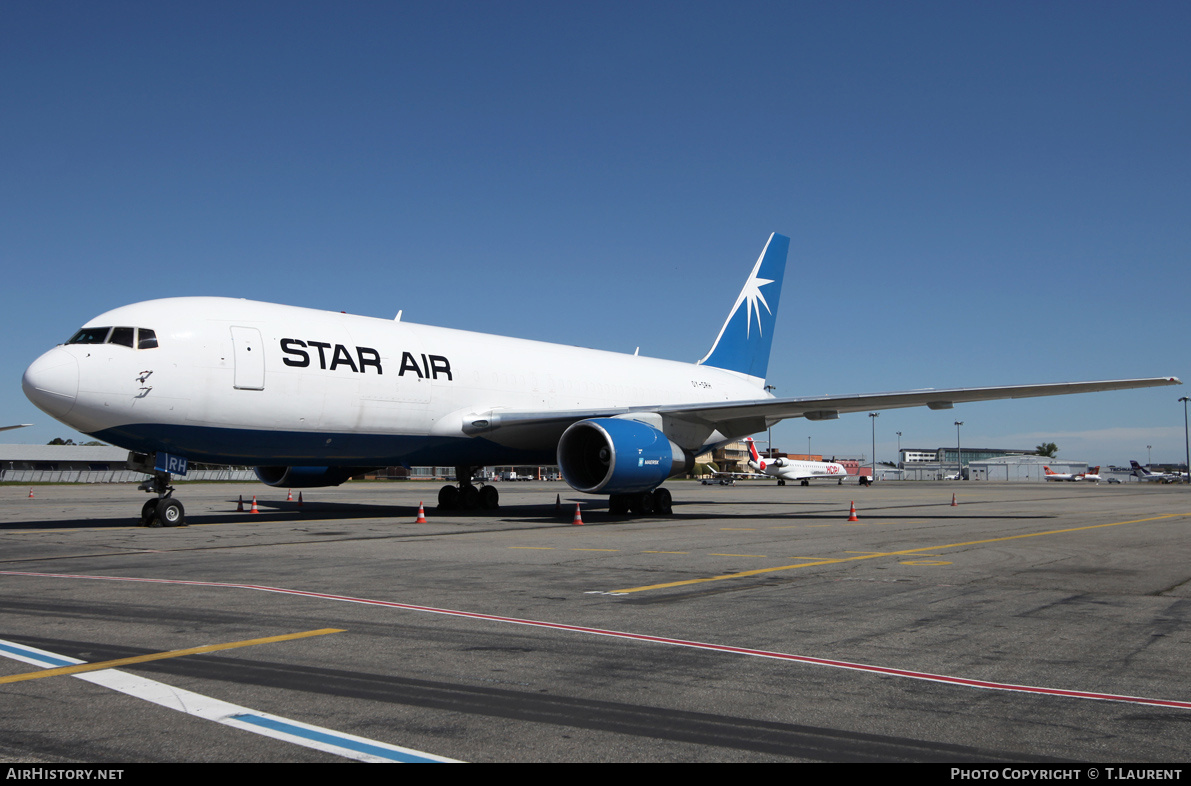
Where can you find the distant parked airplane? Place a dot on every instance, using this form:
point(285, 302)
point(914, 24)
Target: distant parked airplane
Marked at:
point(1160, 477)
point(790, 469)
point(1052, 475)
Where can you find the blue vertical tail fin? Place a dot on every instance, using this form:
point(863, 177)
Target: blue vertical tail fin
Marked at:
point(744, 341)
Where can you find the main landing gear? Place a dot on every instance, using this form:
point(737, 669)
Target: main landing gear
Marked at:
point(466, 496)
point(658, 502)
point(165, 510)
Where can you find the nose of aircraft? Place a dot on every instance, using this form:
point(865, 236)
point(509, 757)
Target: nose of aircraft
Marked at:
point(52, 382)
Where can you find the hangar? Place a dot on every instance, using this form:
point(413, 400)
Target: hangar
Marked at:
point(1021, 468)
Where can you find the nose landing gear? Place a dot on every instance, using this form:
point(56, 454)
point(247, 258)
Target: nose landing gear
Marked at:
point(165, 511)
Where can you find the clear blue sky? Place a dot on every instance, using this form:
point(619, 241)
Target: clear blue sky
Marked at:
point(977, 193)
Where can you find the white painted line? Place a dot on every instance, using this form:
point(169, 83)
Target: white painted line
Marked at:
point(200, 706)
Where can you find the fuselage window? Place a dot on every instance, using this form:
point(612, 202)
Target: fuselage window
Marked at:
point(148, 339)
point(124, 336)
point(92, 335)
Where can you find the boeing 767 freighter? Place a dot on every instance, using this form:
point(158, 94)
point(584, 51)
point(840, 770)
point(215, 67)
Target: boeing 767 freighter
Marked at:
point(312, 398)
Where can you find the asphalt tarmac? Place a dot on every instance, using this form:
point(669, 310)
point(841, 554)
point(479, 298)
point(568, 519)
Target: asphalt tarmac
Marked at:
point(1026, 623)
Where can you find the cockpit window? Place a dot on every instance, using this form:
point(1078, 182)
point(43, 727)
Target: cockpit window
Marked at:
point(92, 335)
point(124, 336)
point(141, 338)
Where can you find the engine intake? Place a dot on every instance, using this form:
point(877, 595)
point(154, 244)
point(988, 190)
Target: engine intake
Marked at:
point(618, 456)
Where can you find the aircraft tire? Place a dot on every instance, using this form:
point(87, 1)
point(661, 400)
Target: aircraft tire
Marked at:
point(618, 504)
point(781, 482)
point(663, 501)
point(149, 514)
point(170, 512)
point(469, 497)
point(642, 503)
point(448, 498)
point(489, 498)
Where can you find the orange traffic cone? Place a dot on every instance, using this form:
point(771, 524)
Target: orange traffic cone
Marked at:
point(240, 505)
point(421, 514)
point(852, 513)
point(254, 510)
point(557, 503)
point(299, 499)
point(578, 520)
point(289, 495)
point(30, 493)
point(953, 502)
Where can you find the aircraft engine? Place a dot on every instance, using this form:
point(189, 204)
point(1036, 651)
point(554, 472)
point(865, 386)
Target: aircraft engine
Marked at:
point(617, 456)
point(306, 477)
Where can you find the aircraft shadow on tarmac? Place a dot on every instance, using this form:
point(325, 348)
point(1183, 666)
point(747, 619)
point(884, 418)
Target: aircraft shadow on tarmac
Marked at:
point(593, 511)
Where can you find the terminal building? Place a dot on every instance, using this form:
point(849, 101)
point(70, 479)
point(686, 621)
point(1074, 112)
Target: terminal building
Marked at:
point(981, 464)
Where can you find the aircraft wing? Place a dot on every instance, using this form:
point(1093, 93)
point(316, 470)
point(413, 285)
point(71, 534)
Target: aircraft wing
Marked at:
point(830, 407)
point(737, 418)
point(9, 428)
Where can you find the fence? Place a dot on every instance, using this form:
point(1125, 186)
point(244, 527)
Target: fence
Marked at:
point(113, 476)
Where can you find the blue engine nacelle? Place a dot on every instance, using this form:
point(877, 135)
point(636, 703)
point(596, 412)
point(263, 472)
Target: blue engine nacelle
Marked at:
point(306, 477)
point(617, 456)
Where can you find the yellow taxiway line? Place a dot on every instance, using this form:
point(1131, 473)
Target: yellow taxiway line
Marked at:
point(837, 560)
point(111, 664)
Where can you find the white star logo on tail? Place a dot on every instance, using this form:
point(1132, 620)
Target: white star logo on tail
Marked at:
point(751, 294)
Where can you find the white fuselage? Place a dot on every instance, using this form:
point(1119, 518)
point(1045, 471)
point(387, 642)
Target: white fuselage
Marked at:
point(237, 381)
point(791, 469)
point(1160, 477)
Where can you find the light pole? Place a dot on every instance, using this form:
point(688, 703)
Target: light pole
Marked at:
point(770, 388)
point(899, 450)
point(1149, 456)
point(874, 416)
point(1186, 440)
point(959, 453)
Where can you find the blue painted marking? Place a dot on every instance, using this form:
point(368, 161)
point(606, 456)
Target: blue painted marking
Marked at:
point(331, 739)
point(40, 656)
